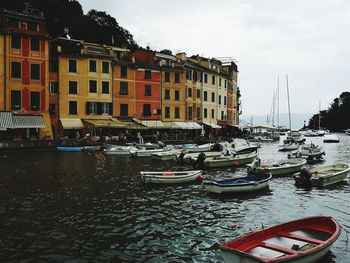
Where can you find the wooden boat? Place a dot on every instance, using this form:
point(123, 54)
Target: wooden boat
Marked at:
point(200, 148)
point(283, 167)
point(230, 160)
point(171, 177)
point(237, 185)
point(301, 241)
point(148, 152)
point(68, 148)
point(167, 155)
point(120, 150)
point(329, 138)
point(323, 176)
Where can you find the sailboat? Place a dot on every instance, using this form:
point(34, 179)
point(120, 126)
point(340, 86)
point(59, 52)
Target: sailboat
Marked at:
point(291, 142)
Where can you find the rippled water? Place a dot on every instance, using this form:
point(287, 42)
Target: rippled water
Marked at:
point(87, 207)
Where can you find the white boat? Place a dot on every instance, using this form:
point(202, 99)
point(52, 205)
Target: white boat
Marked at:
point(290, 146)
point(148, 152)
point(230, 160)
point(147, 145)
point(167, 155)
point(323, 176)
point(311, 152)
point(243, 146)
point(237, 185)
point(170, 177)
point(328, 138)
point(283, 167)
point(192, 157)
point(120, 150)
point(199, 148)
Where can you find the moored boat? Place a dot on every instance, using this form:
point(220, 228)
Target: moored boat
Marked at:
point(323, 176)
point(311, 152)
point(69, 148)
point(331, 138)
point(303, 241)
point(199, 148)
point(237, 185)
point(230, 160)
point(148, 152)
point(167, 155)
point(283, 167)
point(170, 177)
point(120, 150)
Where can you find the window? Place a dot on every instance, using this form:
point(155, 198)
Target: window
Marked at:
point(219, 99)
point(225, 84)
point(213, 80)
point(92, 86)
point(190, 113)
point(148, 74)
point(205, 95)
point(167, 76)
point(91, 108)
point(199, 77)
point(72, 66)
point(212, 113)
point(123, 71)
point(198, 112)
point(198, 93)
point(146, 109)
point(225, 100)
point(106, 108)
point(53, 87)
point(34, 44)
point(177, 112)
point(105, 87)
point(177, 77)
point(105, 67)
point(52, 109)
point(35, 71)
point(73, 108)
point(205, 113)
point(189, 92)
point(167, 94)
point(35, 100)
point(148, 90)
point(212, 97)
point(92, 66)
point(195, 75)
point(167, 112)
point(220, 82)
point(15, 100)
point(177, 95)
point(189, 74)
point(222, 115)
point(205, 78)
point(73, 87)
point(16, 70)
point(16, 41)
point(124, 110)
point(123, 88)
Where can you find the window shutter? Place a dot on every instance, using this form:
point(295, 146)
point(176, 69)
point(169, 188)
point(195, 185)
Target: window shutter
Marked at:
point(87, 108)
point(99, 108)
point(110, 109)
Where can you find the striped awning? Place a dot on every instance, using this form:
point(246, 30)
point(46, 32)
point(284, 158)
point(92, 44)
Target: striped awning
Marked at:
point(194, 125)
point(213, 125)
point(72, 124)
point(6, 121)
point(112, 123)
point(28, 121)
point(130, 124)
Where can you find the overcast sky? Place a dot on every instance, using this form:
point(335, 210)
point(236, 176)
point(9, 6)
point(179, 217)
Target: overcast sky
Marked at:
point(308, 40)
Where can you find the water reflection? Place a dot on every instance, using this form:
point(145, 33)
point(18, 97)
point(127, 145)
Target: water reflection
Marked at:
point(58, 207)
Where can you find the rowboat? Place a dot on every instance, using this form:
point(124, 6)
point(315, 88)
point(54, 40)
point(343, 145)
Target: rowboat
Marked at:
point(290, 146)
point(230, 160)
point(192, 157)
point(329, 138)
point(323, 176)
point(167, 155)
point(148, 152)
point(311, 152)
point(199, 148)
point(237, 185)
point(120, 150)
point(283, 167)
point(171, 177)
point(301, 241)
point(68, 148)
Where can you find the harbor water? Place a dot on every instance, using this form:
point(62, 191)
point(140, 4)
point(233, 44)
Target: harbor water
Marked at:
point(88, 207)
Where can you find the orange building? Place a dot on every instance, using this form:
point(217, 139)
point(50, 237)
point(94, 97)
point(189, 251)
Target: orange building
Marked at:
point(24, 73)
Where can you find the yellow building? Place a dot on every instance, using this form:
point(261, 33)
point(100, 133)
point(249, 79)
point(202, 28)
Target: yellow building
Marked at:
point(85, 76)
point(173, 95)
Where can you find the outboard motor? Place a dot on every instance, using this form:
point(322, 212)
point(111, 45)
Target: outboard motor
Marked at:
point(180, 158)
point(200, 160)
point(304, 178)
point(252, 168)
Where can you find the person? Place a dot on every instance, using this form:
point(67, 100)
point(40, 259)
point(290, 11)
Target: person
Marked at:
point(140, 138)
point(157, 135)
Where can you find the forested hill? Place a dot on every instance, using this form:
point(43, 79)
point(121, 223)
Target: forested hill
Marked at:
point(95, 26)
point(336, 117)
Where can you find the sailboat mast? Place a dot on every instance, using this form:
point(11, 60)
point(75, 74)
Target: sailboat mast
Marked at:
point(319, 114)
point(278, 102)
point(290, 121)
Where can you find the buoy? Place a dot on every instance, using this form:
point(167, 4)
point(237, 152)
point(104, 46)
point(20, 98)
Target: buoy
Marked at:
point(200, 178)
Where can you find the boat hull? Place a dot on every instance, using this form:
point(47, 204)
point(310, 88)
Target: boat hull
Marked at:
point(68, 149)
point(224, 161)
point(170, 177)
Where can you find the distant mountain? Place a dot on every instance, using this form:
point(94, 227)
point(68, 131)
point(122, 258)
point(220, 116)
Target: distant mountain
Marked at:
point(297, 120)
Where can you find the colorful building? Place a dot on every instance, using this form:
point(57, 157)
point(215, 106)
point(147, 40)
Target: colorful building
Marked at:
point(85, 77)
point(24, 73)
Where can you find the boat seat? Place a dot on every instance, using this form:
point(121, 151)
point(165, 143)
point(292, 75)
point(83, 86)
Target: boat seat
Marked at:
point(278, 248)
point(301, 238)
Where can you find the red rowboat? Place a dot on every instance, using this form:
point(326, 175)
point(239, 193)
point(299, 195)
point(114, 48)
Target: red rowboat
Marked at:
point(304, 240)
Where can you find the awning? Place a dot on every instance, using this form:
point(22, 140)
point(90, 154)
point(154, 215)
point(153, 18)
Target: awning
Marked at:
point(6, 121)
point(182, 125)
point(27, 121)
point(194, 125)
point(213, 125)
point(130, 124)
point(112, 123)
point(71, 124)
point(154, 124)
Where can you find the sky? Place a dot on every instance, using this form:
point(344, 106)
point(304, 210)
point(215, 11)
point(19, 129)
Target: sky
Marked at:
point(308, 40)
